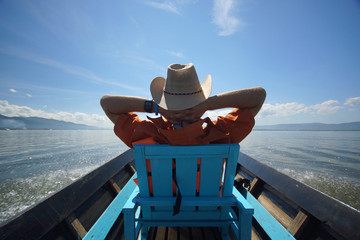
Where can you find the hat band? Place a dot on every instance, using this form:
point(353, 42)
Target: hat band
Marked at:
point(192, 93)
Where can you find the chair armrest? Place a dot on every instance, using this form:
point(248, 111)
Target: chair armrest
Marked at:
point(245, 207)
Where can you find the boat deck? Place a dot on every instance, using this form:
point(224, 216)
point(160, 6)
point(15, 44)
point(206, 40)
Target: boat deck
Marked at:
point(179, 233)
point(184, 233)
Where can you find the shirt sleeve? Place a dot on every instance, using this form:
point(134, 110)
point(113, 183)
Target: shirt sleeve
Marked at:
point(129, 128)
point(237, 123)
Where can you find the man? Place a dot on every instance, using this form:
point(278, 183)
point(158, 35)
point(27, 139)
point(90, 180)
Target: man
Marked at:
point(182, 100)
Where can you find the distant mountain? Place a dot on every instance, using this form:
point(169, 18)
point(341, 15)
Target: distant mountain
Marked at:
point(352, 126)
point(39, 123)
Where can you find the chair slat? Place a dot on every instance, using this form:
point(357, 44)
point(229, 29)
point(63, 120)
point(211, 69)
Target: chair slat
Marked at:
point(188, 168)
point(161, 172)
point(230, 170)
point(210, 176)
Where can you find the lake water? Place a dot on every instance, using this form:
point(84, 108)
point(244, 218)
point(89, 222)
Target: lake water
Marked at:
point(36, 163)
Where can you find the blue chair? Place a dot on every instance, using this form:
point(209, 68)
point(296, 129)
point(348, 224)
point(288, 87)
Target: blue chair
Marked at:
point(187, 186)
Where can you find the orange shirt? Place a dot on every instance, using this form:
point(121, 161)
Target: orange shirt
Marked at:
point(232, 128)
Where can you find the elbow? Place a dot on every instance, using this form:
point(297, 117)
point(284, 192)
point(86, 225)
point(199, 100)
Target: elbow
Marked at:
point(104, 102)
point(262, 94)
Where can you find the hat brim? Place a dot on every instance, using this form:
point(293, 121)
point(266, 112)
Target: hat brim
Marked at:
point(178, 102)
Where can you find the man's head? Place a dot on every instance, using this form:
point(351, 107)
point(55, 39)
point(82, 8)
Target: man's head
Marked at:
point(181, 89)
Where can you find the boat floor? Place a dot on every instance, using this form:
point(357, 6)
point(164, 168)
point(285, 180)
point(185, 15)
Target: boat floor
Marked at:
point(179, 233)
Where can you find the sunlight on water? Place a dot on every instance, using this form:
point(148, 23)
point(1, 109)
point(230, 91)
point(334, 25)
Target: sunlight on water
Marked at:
point(328, 161)
point(36, 164)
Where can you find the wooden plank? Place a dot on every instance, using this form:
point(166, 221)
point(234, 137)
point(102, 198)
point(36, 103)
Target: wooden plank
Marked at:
point(255, 235)
point(298, 223)
point(274, 210)
point(172, 233)
point(255, 184)
point(114, 185)
point(132, 168)
point(184, 233)
point(161, 233)
point(196, 233)
point(92, 209)
point(210, 233)
point(151, 233)
point(76, 225)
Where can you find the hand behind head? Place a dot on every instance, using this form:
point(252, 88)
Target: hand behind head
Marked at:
point(187, 116)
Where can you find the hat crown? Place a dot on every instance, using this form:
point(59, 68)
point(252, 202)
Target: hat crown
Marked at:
point(181, 89)
point(182, 79)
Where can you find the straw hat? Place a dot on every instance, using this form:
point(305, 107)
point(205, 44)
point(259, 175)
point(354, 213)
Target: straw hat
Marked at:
point(181, 89)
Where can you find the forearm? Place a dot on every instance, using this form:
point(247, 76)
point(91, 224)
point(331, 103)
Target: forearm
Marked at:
point(251, 98)
point(115, 105)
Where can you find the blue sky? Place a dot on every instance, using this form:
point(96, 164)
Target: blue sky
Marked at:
point(57, 58)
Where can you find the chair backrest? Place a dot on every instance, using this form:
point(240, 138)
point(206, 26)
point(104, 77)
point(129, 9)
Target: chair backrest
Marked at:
point(216, 164)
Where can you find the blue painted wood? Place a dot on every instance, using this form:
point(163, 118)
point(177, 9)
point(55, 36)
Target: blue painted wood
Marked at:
point(187, 201)
point(139, 154)
point(162, 179)
point(230, 170)
point(269, 224)
point(103, 225)
point(246, 212)
point(186, 164)
point(210, 176)
point(187, 167)
point(199, 150)
point(162, 176)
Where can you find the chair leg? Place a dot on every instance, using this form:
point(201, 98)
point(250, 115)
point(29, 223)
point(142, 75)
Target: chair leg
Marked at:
point(245, 227)
point(129, 223)
point(224, 230)
point(144, 232)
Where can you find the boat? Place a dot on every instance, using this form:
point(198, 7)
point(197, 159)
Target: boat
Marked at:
point(70, 212)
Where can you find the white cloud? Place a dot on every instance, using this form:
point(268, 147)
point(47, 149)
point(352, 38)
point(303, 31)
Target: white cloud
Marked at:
point(29, 95)
point(167, 6)
point(12, 90)
point(223, 19)
point(77, 117)
point(326, 108)
point(355, 101)
point(294, 108)
point(283, 109)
